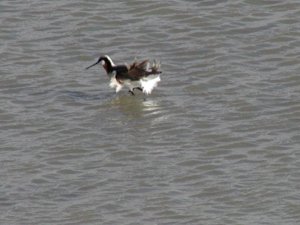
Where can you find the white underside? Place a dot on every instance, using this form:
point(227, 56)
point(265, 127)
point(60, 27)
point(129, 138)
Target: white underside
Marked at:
point(146, 83)
point(115, 84)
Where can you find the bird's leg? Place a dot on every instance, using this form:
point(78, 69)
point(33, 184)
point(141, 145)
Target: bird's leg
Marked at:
point(131, 92)
point(139, 88)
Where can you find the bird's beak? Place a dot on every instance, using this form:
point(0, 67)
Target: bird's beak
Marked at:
point(93, 64)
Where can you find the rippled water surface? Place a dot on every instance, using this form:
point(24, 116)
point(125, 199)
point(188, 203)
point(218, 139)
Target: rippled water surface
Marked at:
point(218, 142)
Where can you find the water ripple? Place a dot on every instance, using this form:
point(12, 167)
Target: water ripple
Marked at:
point(217, 142)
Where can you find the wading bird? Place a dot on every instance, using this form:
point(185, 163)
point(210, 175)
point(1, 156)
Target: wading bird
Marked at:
point(143, 75)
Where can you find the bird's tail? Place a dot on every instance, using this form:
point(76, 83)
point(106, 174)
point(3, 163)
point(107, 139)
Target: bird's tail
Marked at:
point(155, 67)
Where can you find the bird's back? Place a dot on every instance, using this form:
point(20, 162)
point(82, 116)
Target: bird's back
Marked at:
point(138, 70)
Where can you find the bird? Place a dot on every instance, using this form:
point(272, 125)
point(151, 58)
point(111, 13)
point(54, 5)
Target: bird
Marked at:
point(141, 75)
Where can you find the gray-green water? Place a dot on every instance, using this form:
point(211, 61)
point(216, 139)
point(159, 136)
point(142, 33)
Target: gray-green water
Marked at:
point(218, 142)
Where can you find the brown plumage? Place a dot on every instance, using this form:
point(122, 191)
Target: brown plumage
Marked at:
point(138, 70)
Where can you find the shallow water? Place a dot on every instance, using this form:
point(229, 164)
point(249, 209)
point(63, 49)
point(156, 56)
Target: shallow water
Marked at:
point(216, 143)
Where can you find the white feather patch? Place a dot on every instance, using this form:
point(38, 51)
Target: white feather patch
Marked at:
point(115, 84)
point(148, 83)
point(109, 59)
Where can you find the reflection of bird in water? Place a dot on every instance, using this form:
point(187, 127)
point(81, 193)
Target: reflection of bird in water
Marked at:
point(143, 75)
point(136, 108)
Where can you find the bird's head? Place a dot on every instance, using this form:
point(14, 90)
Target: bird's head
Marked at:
point(105, 61)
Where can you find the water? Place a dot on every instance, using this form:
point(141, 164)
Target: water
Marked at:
point(216, 143)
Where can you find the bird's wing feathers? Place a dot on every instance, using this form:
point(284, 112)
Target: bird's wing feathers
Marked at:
point(137, 70)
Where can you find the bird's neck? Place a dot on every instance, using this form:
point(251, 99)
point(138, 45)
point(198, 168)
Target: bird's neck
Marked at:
point(109, 68)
